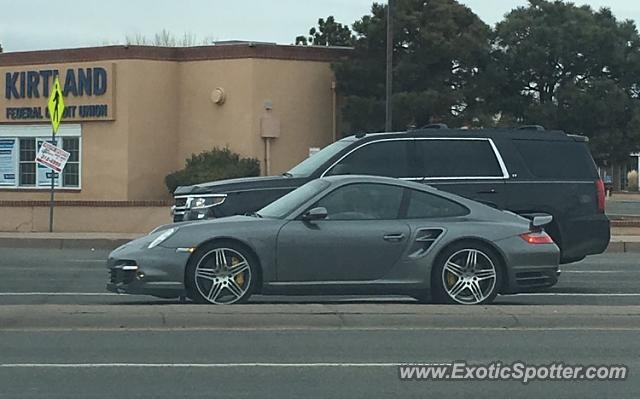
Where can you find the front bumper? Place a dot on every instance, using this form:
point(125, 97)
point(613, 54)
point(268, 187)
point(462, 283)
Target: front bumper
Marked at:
point(135, 269)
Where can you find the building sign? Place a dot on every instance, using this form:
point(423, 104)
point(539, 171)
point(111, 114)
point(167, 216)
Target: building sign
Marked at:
point(8, 161)
point(88, 92)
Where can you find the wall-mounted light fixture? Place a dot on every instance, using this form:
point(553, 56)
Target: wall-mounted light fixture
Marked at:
point(218, 96)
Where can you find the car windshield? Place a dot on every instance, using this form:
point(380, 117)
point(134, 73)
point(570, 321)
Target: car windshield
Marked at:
point(311, 164)
point(287, 204)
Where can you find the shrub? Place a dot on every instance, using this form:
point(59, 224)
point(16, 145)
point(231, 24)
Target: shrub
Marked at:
point(217, 164)
point(632, 178)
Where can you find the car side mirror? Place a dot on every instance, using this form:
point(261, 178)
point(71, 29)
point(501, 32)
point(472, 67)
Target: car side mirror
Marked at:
point(318, 213)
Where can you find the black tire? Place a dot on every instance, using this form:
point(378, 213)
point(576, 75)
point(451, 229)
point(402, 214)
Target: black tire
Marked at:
point(488, 287)
point(202, 273)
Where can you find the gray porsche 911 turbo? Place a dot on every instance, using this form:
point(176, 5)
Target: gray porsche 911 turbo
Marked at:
point(345, 235)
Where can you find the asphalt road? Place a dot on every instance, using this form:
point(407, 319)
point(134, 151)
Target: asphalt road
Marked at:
point(62, 336)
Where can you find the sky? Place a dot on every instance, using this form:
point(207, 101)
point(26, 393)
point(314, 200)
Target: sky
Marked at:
point(33, 25)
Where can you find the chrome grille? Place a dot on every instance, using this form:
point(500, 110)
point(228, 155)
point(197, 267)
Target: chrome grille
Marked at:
point(180, 207)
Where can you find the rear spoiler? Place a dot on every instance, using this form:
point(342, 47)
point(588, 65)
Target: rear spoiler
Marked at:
point(537, 220)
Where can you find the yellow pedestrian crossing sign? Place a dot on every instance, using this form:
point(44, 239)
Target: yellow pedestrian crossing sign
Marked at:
point(56, 105)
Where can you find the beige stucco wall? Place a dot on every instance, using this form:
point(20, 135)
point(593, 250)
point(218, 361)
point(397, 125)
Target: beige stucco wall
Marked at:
point(150, 93)
point(84, 219)
point(301, 94)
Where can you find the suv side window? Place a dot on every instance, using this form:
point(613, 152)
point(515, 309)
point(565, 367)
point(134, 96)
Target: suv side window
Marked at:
point(363, 201)
point(458, 158)
point(425, 205)
point(382, 158)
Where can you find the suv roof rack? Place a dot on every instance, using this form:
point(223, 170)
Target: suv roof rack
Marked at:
point(532, 127)
point(435, 126)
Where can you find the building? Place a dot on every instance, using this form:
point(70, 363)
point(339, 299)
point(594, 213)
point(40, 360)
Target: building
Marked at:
point(135, 113)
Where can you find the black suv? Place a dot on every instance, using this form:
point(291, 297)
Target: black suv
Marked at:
point(527, 170)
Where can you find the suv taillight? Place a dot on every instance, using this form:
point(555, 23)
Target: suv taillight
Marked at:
point(600, 193)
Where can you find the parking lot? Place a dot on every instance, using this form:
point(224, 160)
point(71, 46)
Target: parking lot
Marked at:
point(62, 335)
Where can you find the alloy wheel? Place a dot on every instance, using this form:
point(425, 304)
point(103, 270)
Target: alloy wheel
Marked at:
point(469, 276)
point(223, 276)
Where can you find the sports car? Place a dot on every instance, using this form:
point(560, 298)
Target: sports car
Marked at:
point(345, 235)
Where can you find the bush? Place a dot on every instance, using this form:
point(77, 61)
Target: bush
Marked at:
point(217, 164)
point(632, 178)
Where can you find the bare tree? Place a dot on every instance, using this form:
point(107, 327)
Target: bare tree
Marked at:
point(164, 38)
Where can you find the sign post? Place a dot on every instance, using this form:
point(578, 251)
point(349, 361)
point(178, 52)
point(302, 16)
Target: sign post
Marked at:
point(56, 110)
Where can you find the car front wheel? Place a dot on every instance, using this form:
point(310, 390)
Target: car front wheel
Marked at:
point(222, 274)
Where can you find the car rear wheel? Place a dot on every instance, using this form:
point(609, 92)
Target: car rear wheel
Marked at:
point(466, 274)
point(221, 274)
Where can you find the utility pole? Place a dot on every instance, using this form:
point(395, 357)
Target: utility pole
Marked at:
point(389, 85)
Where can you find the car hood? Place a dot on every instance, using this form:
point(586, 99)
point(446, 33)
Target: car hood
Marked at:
point(241, 184)
point(242, 228)
point(213, 223)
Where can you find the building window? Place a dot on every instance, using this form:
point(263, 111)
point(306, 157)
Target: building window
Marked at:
point(19, 146)
point(71, 172)
point(27, 174)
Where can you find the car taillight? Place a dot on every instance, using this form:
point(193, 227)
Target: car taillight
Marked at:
point(537, 238)
point(600, 193)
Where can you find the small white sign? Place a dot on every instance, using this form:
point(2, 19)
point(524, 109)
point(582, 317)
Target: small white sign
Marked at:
point(52, 157)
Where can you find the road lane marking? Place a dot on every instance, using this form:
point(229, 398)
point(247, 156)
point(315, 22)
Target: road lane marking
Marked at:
point(572, 294)
point(61, 294)
point(194, 365)
point(88, 260)
point(306, 329)
point(601, 271)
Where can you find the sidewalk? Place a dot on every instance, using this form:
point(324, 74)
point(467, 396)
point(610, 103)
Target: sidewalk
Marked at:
point(623, 239)
point(65, 240)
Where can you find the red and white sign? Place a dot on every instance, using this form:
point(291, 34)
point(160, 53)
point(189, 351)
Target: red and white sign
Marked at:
point(52, 157)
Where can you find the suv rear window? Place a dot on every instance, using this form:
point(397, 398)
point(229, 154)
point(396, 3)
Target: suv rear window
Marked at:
point(458, 158)
point(563, 160)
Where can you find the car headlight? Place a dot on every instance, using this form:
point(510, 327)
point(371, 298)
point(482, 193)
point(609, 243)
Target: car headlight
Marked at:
point(207, 202)
point(162, 237)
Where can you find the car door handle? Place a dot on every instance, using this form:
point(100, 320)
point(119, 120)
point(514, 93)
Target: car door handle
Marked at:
point(394, 237)
point(492, 191)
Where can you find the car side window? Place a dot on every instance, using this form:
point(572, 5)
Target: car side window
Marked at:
point(458, 158)
point(363, 201)
point(383, 158)
point(425, 205)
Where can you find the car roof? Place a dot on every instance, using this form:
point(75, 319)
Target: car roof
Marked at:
point(340, 180)
point(522, 134)
point(346, 179)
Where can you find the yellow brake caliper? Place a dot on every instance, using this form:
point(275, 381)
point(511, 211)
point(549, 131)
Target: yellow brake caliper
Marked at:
point(240, 277)
point(451, 279)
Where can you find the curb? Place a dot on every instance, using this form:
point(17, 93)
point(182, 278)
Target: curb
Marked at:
point(623, 246)
point(62, 243)
point(305, 317)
